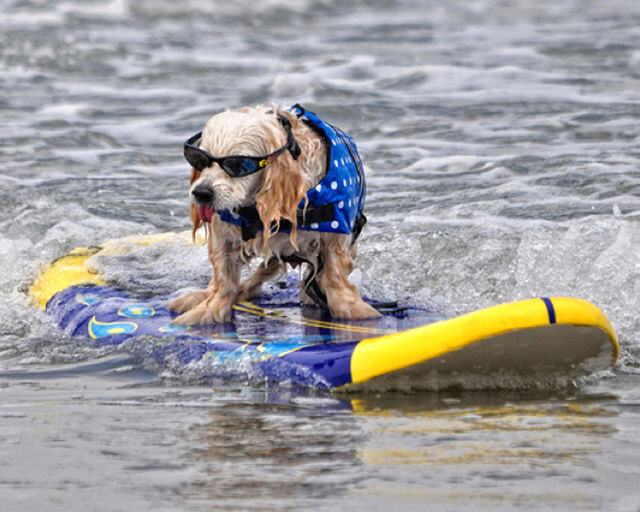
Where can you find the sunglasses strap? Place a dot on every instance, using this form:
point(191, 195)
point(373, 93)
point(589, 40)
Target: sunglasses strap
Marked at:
point(292, 143)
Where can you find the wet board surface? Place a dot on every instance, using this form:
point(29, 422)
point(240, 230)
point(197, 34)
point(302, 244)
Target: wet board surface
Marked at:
point(274, 338)
point(302, 345)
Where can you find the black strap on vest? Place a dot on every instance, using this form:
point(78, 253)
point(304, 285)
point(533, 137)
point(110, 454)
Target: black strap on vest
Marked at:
point(251, 222)
point(361, 220)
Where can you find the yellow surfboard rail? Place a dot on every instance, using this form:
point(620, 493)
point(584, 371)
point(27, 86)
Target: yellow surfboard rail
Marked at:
point(374, 357)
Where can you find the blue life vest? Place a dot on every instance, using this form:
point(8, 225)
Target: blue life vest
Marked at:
point(335, 205)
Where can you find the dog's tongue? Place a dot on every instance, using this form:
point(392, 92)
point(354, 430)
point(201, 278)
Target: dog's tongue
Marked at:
point(206, 213)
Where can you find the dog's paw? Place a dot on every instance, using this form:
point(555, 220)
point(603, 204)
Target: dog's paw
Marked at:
point(359, 310)
point(212, 311)
point(188, 301)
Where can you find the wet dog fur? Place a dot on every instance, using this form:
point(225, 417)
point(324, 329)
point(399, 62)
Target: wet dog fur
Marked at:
point(276, 191)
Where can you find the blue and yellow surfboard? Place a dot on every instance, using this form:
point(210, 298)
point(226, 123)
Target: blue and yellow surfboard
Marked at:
point(284, 342)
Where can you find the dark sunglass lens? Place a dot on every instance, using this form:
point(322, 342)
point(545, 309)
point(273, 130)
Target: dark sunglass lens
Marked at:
point(196, 158)
point(239, 167)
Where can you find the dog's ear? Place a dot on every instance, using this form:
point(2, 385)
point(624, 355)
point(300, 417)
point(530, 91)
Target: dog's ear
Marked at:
point(283, 185)
point(193, 209)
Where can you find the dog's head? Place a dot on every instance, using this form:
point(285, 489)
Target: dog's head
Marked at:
point(278, 185)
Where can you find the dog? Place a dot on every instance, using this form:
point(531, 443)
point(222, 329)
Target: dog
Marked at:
point(297, 199)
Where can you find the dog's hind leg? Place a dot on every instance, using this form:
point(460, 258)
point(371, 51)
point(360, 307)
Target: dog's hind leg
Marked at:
point(343, 298)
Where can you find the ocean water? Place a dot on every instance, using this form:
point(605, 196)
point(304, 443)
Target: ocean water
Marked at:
point(501, 144)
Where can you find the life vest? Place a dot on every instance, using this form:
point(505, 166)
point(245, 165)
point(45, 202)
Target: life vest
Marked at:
point(336, 204)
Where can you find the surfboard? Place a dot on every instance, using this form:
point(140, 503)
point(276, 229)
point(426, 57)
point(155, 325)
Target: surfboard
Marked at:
point(275, 338)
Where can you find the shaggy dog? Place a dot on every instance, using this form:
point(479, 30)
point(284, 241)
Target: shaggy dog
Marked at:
point(275, 187)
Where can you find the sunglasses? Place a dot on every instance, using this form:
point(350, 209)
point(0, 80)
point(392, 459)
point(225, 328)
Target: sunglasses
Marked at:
point(236, 166)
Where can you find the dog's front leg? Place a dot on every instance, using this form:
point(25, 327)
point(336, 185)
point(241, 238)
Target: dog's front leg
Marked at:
point(217, 307)
point(343, 298)
point(190, 300)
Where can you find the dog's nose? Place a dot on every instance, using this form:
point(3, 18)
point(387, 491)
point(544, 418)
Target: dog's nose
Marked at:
point(203, 194)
